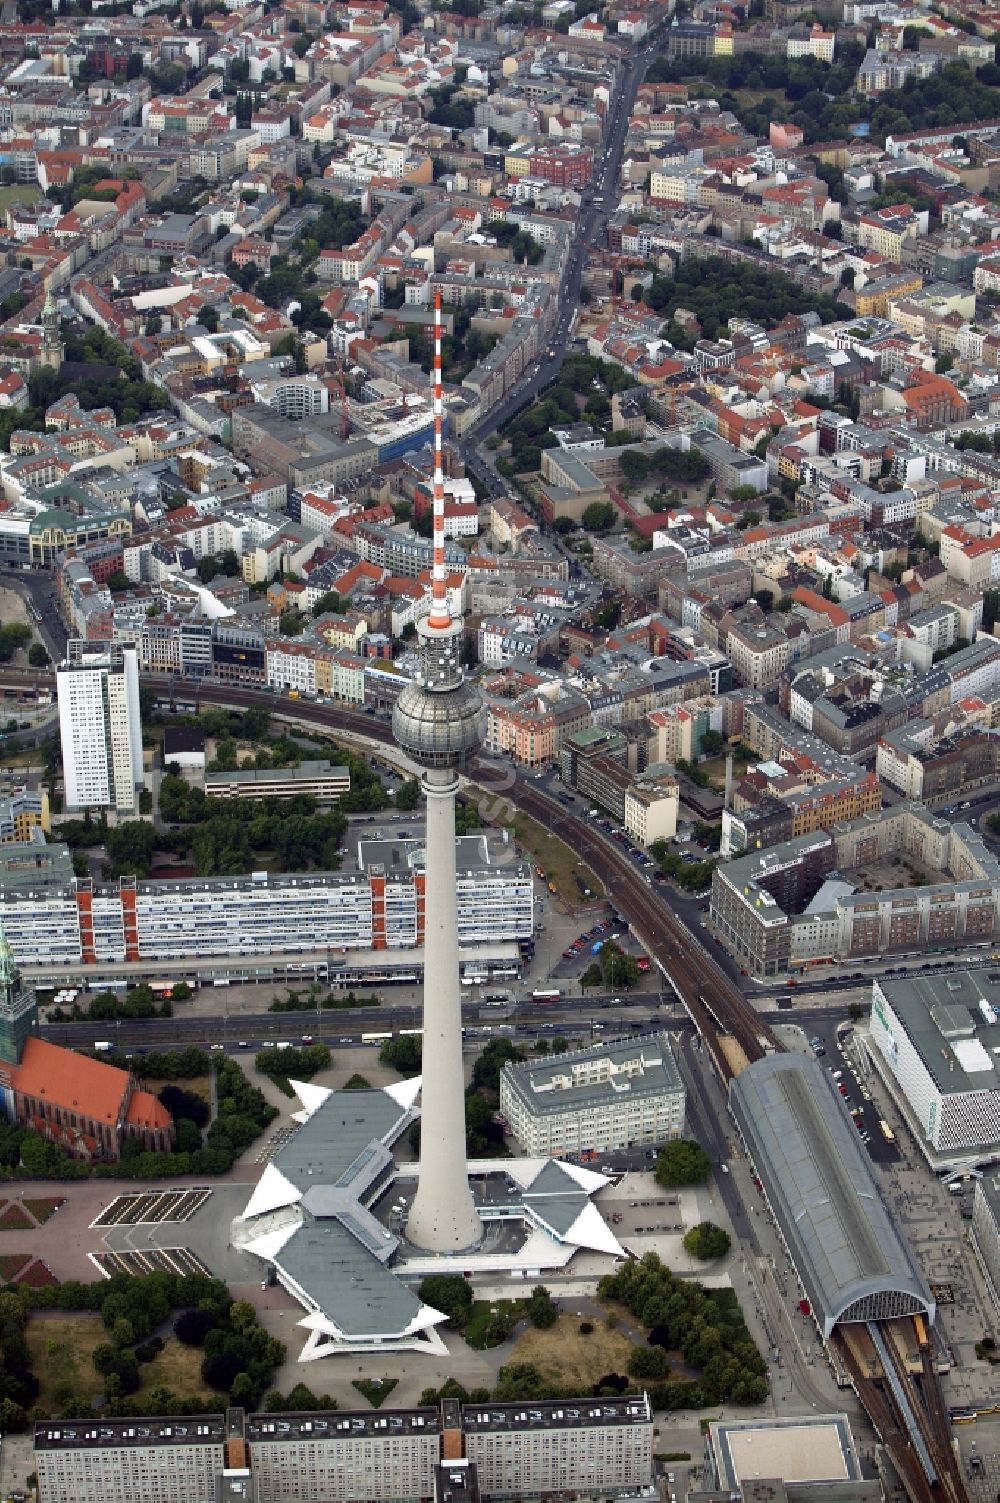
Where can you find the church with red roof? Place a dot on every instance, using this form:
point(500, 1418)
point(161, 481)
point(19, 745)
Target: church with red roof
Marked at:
point(84, 1105)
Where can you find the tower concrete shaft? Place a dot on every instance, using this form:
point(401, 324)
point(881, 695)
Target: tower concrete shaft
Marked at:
point(443, 1217)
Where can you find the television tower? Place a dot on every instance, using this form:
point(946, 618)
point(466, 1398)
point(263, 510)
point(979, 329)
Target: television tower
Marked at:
point(438, 722)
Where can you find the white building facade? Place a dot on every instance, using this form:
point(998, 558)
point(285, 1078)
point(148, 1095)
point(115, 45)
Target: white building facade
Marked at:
point(941, 1056)
point(100, 726)
point(613, 1096)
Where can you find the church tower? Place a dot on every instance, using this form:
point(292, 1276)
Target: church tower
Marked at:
point(53, 350)
point(18, 1010)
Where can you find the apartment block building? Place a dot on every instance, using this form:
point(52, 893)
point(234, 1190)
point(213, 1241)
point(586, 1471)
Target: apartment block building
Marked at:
point(651, 807)
point(574, 1447)
point(588, 1447)
point(99, 726)
point(337, 1458)
point(116, 1461)
point(620, 1093)
point(53, 919)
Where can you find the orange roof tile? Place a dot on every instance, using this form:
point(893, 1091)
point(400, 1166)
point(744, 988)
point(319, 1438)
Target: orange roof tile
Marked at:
point(50, 1073)
point(144, 1110)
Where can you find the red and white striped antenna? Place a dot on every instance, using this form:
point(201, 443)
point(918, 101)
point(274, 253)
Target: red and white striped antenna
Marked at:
point(440, 613)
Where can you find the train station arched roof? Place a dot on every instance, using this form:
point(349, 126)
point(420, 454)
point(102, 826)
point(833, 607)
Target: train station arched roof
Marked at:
point(819, 1181)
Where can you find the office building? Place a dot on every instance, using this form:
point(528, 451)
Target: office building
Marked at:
point(617, 1094)
point(99, 725)
point(794, 1459)
point(22, 812)
point(324, 781)
point(936, 1037)
point(985, 1235)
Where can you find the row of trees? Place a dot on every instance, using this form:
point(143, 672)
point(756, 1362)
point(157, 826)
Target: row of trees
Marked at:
point(684, 467)
point(297, 1064)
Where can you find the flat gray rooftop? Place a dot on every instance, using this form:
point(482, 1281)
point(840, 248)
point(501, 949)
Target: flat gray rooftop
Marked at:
point(326, 1425)
point(948, 1025)
point(82, 1435)
point(556, 1414)
point(631, 1067)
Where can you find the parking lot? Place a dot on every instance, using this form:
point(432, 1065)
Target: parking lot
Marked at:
point(153, 1206)
point(178, 1260)
point(836, 1048)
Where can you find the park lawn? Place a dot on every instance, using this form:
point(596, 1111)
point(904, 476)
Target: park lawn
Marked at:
point(198, 1085)
point(565, 1357)
point(483, 1311)
point(178, 1367)
point(61, 1350)
point(44, 1207)
point(19, 193)
point(557, 860)
point(715, 768)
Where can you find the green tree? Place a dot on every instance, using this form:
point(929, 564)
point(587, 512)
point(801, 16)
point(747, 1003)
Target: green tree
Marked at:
point(38, 656)
point(634, 466)
point(402, 1054)
point(542, 1309)
point(450, 1294)
point(408, 794)
point(682, 1162)
point(599, 516)
point(487, 1068)
point(706, 1241)
point(648, 1362)
point(130, 848)
point(618, 969)
point(327, 604)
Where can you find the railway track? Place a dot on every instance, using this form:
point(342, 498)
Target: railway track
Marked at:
point(905, 1407)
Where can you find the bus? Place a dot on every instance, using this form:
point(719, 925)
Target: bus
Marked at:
point(549, 997)
point(375, 1038)
point(886, 1130)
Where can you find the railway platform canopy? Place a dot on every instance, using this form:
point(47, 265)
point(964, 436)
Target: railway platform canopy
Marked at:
point(851, 1261)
